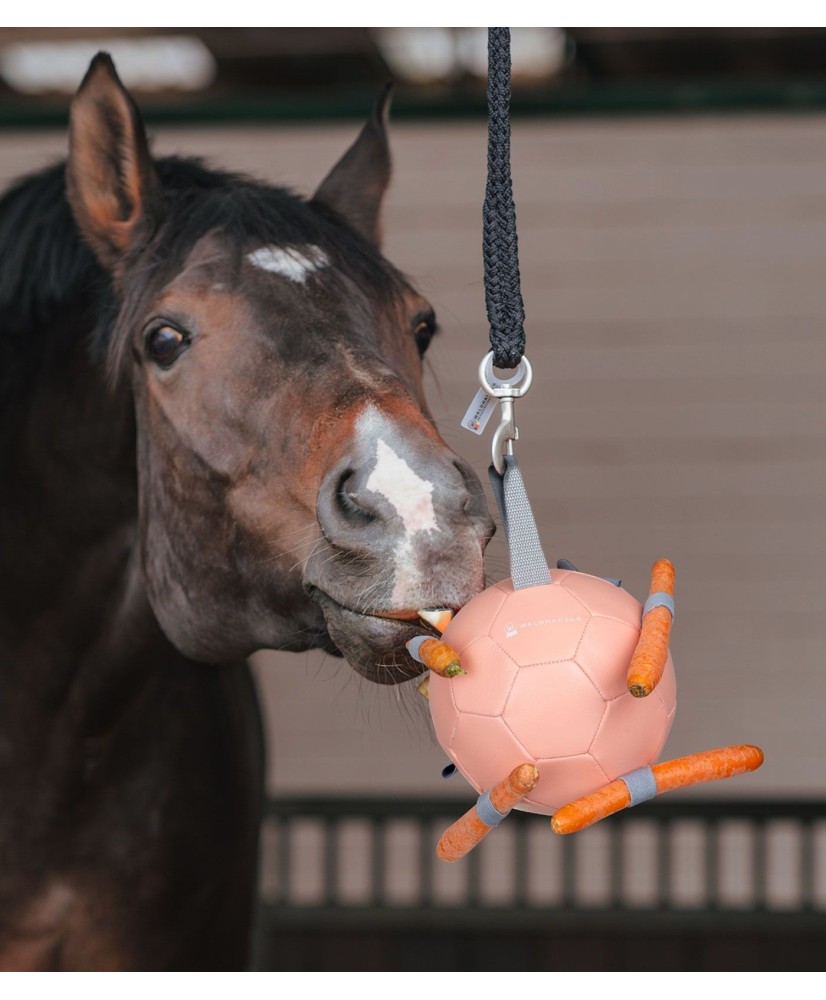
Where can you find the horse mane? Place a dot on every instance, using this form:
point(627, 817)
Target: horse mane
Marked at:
point(52, 288)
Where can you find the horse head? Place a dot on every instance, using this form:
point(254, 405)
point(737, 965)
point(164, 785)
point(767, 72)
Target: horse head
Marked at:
point(293, 490)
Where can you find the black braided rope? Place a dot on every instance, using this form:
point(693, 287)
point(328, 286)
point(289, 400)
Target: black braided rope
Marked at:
point(503, 294)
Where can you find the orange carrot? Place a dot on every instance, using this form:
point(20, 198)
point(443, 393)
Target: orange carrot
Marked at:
point(648, 662)
point(439, 618)
point(460, 838)
point(709, 765)
point(441, 658)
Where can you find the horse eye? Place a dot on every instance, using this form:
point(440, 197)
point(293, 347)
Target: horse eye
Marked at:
point(164, 344)
point(424, 333)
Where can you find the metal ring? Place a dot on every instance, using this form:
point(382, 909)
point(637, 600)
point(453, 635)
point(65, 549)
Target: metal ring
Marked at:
point(514, 387)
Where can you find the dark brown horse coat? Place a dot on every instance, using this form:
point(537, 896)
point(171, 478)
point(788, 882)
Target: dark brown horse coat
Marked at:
point(214, 440)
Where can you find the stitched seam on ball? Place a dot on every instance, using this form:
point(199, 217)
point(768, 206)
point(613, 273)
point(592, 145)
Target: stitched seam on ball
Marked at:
point(620, 621)
point(597, 731)
point(508, 695)
point(521, 745)
point(462, 649)
point(575, 597)
point(582, 668)
point(452, 687)
point(582, 634)
point(538, 663)
point(590, 679)
point(604, 772)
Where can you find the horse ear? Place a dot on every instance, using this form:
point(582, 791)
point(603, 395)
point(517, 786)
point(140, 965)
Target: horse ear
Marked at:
point(111, 184)
point(355, 186)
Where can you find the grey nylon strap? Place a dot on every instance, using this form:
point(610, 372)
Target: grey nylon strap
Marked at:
point(529, 567)
point(659, 599)
point(487, 812)
point(642, 785)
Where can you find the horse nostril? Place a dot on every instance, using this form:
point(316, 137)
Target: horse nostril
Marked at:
point(469, 500)
point(348, 502)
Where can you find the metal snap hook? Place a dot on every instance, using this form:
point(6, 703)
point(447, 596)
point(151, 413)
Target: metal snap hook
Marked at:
point(515, 386)
point(506, 391)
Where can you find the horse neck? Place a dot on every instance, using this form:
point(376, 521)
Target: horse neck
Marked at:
point(70, 583)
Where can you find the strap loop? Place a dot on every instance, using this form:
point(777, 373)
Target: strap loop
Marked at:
point(659, 599)
point(642, 785)
point(487, 812)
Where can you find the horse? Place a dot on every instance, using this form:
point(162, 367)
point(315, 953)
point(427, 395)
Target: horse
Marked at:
point(214, 440)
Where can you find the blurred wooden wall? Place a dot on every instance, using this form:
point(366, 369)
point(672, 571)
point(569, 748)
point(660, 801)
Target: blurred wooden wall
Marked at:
point(673, 276)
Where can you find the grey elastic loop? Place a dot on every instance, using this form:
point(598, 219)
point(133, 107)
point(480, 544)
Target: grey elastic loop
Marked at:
point(567, 564)
point(641, 783)
point(529, 567)
point(660, 599)
point(415, 644)
point(487, 812)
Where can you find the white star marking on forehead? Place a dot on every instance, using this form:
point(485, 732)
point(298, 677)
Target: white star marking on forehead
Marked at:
point(294, 263)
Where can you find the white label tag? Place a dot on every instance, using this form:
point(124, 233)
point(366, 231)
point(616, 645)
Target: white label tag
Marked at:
point(479, 412)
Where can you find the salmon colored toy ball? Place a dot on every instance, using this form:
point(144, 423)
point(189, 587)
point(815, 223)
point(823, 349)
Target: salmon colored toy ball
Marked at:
point(557, 699)
point(546, 682)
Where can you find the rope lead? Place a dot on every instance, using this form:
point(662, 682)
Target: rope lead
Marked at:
point(503, 294)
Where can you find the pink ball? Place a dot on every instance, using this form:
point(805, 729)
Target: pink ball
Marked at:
point(546, 684)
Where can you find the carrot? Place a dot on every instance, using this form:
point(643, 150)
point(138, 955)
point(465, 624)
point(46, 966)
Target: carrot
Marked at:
point(696, 768)
point(648, 662)
point(439, 618)
point(441, 658)
point(468, 831)
point(423, 687)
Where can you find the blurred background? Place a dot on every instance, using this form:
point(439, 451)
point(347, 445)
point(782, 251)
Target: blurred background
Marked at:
point(671, 196)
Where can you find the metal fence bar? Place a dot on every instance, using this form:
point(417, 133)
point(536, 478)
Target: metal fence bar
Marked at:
point(331, 860)
point(617, 866)
point(568, 872)
point(283, 860)
point(761, 901)
point(425, 831)
point(807, 864)
point(378, 861)
point(664, 863)
point(331, 815)
point(520, 865)
point(712, 864)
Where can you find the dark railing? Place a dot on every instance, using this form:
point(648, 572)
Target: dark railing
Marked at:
point(372, 860)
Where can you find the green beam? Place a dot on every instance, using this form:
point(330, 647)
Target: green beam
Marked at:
point(567, 100)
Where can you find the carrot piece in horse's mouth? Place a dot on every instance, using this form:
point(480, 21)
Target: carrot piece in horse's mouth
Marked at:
point(402, 616)
point(439, 618)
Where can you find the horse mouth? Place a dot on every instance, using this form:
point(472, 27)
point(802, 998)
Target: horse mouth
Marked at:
point(373, 642)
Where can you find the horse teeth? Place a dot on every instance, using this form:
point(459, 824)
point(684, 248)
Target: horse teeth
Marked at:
point(439, 618)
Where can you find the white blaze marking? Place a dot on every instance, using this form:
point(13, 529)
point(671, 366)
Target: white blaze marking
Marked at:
point(412, 499)
point(409, 494)
point(294, 263)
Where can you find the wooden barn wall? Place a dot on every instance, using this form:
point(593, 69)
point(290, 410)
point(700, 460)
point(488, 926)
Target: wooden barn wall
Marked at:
point(673, 276)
